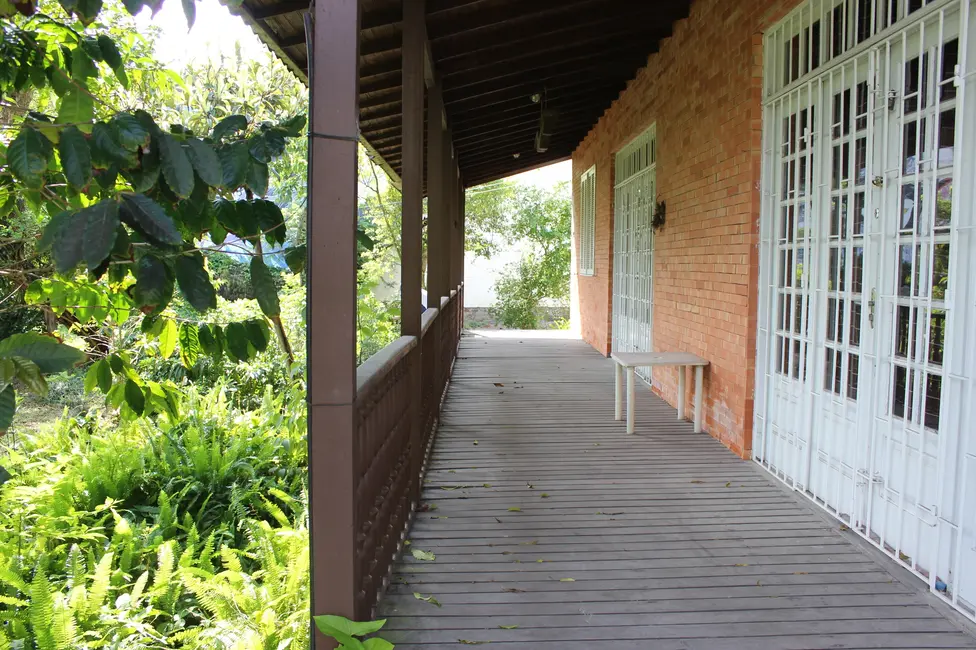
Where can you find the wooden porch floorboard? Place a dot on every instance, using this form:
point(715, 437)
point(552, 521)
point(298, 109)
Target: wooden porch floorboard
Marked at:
point(552, 528)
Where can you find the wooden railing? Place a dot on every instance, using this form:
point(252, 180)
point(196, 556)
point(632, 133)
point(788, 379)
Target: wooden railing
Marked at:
point(399, 393)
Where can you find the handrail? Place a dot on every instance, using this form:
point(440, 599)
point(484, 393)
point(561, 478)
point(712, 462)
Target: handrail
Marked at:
point(427, 318)
point(378, 365)
point(453, 293)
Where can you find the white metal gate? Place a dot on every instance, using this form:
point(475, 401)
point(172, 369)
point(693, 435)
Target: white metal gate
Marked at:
point(635, 193)
point(865, 384)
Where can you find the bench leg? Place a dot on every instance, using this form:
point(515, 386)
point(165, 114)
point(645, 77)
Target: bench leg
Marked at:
point(630, 400)
point(699, 387)
point(681, 392)
point(618, 394)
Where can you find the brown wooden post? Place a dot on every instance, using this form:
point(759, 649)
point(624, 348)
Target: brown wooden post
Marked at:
point(437, 249)
point(461, 229)
point(411, 260)
point(452, 179)
point(331, 296)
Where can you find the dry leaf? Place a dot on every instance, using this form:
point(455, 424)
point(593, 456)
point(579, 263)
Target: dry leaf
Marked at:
point(499, 385)
point(728, 484)
point(513, 590)
point(544, 495)
point(741, 565)
point(698, 482)
point(567, 580)
point(475, 443)
point(487, 485)
point(513, 509)
point(426, 599)
point(425, 556)
point(799, 573)
point(466, 642)
point(508, 627)
point(540, 560)
point(532, 543)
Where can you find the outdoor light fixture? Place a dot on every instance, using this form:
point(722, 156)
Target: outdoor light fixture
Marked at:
point(547, 125)
point(536, 98)
point(516, 155)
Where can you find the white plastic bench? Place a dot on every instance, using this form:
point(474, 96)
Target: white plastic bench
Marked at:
point(633, 360)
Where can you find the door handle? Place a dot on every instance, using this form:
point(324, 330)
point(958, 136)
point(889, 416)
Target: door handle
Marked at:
point(871, 304)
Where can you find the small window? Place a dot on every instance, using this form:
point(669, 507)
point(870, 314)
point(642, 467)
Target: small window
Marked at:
point(587, 221)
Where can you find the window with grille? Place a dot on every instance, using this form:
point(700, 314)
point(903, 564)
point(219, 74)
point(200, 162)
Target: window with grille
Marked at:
point(587, 221)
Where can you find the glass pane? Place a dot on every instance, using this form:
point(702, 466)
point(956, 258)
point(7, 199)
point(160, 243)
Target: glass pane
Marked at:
point(786, 224)
point(842, 154)
point(857, 272)
point(858, 214)
point(860, 160)
point(933, 401)
point(947, 137)
point(905, 284)
point(855, 336)
point(801, 221)
point(908, 206)
point(913, 132)
point(905, 333)
point(797, 314)
point(943, 203)
point(862, 106)
point(838, 216)
point(831, 319)
point(950, 57)
point(901, 397)
point(937, 332)
point(829, 370)
point(853, 365)
point(940, 271)
point(796, 359)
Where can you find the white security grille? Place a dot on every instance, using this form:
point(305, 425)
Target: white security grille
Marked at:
point(633, 246)
point(587, 221)
point(864, 371)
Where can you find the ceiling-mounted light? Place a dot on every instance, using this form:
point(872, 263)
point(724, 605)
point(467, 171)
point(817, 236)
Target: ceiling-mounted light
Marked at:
point(516, 155)
point(536, 98)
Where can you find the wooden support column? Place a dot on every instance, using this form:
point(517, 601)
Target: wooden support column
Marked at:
point(411, 245)
point(461, 226)
point(452, 181)
point(437, 243)
point(331, 296)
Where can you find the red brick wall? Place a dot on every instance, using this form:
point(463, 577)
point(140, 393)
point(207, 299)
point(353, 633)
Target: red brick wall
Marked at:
point(703, 89)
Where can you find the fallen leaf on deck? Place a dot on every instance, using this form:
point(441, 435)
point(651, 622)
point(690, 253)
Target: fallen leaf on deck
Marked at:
point(741, 565)
point(567, 580)
point(728, 484)
point(698, 481)
point(426, 599)
point(530, 486)
point(513, 590)
point(540, 560)
point(426, 556)
point(843, 527)
point(476, 443)
point(500, 385)
point(544, 495)
point(507, 552)
point(532, 543)
point(799, 573)
point(508, 627)
point(407, 543)
point(487, 485)
point(466, 642)
point(515, 510)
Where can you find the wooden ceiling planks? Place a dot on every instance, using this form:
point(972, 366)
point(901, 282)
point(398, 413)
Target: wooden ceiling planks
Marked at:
point(491, 56)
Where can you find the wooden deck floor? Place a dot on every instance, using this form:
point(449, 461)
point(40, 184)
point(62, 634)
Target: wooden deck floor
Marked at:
point(554, 529)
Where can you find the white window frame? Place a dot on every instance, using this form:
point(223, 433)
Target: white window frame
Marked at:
point(587, 257)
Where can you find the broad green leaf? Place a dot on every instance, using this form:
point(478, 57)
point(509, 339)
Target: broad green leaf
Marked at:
point(51, 230)
point(234, 161)
point(426, 599)
point(28, 156)
point(92, 49)
point(270, 220)
point(295, 258)
point(82, 66)
point(258, 333)
point(346, 626)
point(176, 167)
point(131, 131)
point(101, 230)
point(508, 627)
point(221, 341)
point(247, 215)
point(293, 126)
point(68, 247)
point(225, 213)
point(8, 371)
point(8, 404)
point(60, 81)
point(154, 286)
point(117, 364)
point(190, 11)
point(91, 378)
point(76, 158)
point(208, 342)
point(29, 374)
point(238, 343)
point(257, 146)
point(104, 372)
point(76, 107)
point(87, 10)
point(377, 644)
point(189, 345)
point(274, 142)
point(110, 53)
point(425, 556)
point(195, 282)
point(134, 397)
point(151, 325)
point(149, 218)
point(106, 150)
point(227, 126)
point(107, 179)
point(218, 234)
point(167, 339)
point(204, 160)
point(257, 178)
point(262, 283)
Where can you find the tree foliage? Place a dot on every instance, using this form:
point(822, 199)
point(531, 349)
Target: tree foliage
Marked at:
point(129, 191)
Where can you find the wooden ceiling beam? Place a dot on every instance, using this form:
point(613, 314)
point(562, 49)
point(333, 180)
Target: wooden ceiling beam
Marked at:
point(502, 14)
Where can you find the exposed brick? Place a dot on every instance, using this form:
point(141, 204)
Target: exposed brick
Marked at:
point(703, 89)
